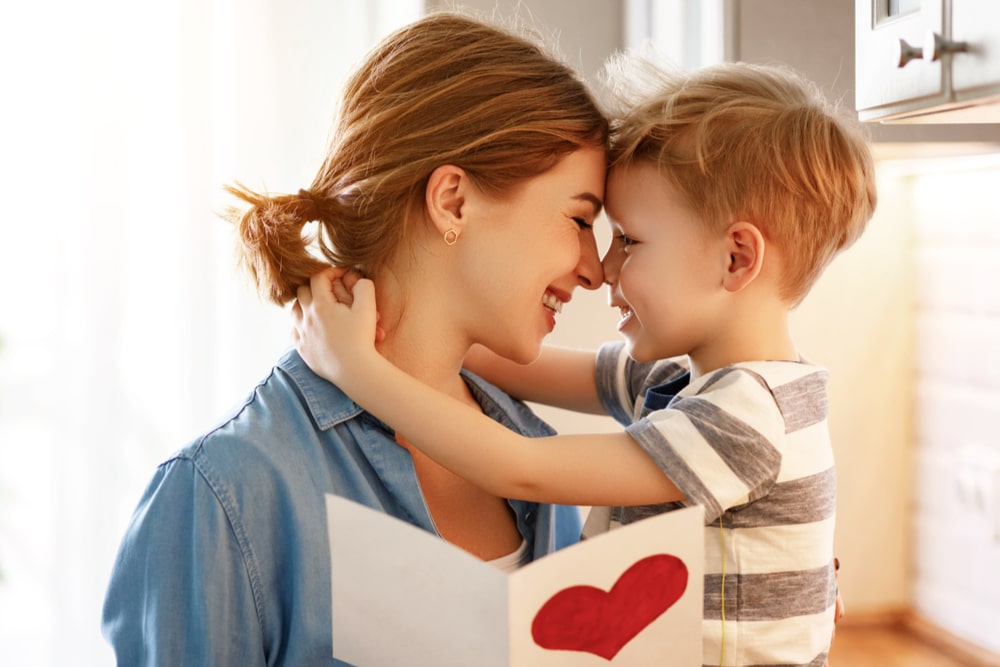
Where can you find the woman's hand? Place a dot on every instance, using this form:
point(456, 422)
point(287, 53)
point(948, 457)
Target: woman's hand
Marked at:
point(335, 322)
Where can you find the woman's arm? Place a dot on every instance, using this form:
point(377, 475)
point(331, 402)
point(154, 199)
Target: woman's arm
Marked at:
point(179, 568)
point(560, 377)
point(600, 469)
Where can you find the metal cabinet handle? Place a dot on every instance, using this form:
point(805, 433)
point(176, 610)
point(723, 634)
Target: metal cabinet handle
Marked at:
point(936, 46)
point(905, 52)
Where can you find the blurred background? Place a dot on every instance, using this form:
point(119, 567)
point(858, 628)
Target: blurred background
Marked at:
point(126, 329)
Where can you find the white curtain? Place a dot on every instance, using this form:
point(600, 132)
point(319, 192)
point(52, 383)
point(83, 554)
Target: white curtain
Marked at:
point(125, 327)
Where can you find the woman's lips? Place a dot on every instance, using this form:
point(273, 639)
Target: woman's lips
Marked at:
point(552, 302)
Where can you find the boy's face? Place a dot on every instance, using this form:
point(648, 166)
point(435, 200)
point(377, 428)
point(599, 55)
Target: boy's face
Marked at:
point(664, 268)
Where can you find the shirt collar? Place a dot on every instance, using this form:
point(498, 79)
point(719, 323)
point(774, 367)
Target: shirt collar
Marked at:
point(661, 395)
point(328, 405)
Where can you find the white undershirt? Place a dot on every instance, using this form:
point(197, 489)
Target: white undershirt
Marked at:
point(513, 560)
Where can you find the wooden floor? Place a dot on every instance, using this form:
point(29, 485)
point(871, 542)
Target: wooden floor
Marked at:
point(892, 646)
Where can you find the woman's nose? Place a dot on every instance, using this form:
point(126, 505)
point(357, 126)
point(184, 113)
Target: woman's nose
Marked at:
point(589, 273)
point(611, 264)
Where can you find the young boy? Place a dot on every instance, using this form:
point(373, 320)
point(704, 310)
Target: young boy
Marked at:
point(729, 192)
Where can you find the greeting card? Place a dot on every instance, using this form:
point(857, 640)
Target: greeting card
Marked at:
point(401, 596)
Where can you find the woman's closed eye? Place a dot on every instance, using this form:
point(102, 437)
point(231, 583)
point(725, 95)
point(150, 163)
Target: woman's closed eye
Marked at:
point(582, 223)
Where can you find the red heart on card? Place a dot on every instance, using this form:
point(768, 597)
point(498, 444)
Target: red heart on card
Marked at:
point(585, 618)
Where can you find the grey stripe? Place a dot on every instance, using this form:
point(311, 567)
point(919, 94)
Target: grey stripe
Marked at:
point(818, 661)
point(732, 439)
point(607, 388)
point(803, 402)
point(770, 597)
point(805, 500)
point(627, 515)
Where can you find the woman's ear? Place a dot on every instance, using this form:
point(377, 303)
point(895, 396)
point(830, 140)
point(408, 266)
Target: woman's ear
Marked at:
point(445, 198)
point(745, 246)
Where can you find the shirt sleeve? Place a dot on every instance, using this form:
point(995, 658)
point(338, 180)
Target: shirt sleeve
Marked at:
point(180, 591)
point(718, 444)
point(622, 381)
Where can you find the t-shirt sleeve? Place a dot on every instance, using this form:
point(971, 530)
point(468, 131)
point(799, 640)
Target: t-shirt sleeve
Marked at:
point(719, 444)
point(622, 381)
point(180, 590)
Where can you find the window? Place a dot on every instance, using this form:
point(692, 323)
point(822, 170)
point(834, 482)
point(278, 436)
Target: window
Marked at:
point(126, 328)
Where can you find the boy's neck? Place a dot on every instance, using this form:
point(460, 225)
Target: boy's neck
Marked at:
point(763, 335)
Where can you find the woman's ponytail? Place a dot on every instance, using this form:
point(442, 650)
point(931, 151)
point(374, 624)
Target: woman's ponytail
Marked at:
point(271, 243)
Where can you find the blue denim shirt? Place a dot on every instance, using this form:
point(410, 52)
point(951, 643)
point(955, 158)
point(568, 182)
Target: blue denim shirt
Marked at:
point(227, 559)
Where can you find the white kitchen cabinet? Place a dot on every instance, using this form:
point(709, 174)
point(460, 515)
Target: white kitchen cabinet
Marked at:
point(817, 37)
point(928, 61)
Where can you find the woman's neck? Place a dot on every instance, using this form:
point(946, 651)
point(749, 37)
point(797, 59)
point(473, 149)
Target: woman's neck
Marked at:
point(422, 337)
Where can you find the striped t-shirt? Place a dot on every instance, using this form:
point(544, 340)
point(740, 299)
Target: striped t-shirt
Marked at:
point(750, 443)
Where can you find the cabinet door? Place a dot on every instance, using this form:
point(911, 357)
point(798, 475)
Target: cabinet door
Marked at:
point(978, 24)
point(883, 86)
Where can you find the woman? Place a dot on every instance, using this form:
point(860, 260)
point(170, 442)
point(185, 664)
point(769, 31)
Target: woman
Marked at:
point(463, 176)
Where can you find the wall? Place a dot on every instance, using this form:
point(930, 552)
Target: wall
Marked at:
point(956, 218)
point(585, 32)
point(857, 321)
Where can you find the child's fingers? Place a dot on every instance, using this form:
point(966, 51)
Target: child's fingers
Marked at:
point(364, 294)
point(364, 302)
point(297, 316)
point(351, 278)
point(303, 297)
point(342, 292)
point(323, 292)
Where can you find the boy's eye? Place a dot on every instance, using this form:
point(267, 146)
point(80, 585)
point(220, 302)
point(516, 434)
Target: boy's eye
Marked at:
point(583, 224)
point(625, 241)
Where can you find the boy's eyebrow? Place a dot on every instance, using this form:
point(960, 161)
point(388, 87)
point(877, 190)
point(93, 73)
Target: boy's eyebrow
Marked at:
point(593, 199)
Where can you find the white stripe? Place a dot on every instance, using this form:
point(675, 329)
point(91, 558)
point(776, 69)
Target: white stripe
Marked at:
point(741, 396)
point(770, 549)
point(806, 452)
point(781, 373)
point(800, 639)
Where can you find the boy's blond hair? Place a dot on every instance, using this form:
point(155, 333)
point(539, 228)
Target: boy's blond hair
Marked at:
point(753, 143)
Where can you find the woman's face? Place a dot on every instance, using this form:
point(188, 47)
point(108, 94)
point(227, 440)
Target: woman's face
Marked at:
point(529, 250)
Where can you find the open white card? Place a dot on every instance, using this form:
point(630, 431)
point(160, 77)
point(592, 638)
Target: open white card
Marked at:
point(401, 596)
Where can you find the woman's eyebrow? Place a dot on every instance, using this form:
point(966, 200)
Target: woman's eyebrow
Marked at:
point(593, 199)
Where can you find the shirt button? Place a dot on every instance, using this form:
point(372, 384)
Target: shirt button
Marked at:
point(529, 517)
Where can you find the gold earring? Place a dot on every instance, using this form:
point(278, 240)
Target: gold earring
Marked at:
point(451, 237)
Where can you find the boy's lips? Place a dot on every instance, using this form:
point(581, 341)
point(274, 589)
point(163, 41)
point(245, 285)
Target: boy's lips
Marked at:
point(626, 317)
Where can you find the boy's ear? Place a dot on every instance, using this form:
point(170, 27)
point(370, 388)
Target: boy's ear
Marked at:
point(745, 246)
point(445, 198)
